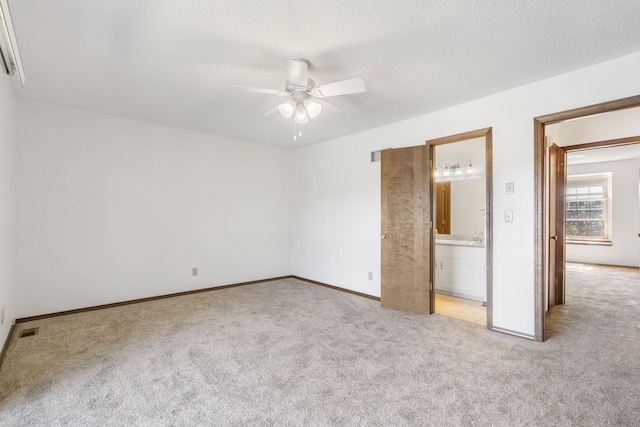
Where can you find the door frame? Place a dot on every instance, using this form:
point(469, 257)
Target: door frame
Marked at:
point(431, 144)
point(540, 193)
point(582, 147)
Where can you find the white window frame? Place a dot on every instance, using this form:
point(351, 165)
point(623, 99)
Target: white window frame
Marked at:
point(604, 179)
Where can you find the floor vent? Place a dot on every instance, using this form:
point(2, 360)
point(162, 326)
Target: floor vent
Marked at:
point(28, 332)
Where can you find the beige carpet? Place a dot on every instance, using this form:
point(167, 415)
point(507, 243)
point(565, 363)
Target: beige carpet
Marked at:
point(291, 353)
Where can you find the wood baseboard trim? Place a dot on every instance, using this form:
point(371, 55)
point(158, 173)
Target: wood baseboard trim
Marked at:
point(632, 267)
point(139, 300)
point(178, 294)
point(6, 343)
point(337, 288)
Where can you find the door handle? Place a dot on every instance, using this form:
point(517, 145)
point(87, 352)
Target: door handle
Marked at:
point(384, 236)
point(554, 237)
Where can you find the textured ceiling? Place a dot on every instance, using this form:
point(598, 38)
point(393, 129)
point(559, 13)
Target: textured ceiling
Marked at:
point(175, 62)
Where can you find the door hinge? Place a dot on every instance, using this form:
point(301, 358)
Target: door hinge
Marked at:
point(430, 163)
point(430, 286)
point(556, 282)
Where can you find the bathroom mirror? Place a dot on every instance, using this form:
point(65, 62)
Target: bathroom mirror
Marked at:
point(459, 190)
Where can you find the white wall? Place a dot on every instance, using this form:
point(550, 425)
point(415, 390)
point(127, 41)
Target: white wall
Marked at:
point(626, 216)
point(8, 183)
point(337, 191)
point(112, 209)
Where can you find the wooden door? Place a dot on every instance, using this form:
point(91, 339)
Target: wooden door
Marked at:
point(443, 207)
point(406, 231)
point(557, 179)
point(561, 203)
point(553, 233)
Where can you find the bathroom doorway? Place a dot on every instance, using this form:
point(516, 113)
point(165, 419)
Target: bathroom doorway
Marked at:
point(461, 201)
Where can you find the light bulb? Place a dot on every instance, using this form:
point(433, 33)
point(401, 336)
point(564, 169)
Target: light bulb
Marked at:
point(470, 168)
point(313, 108)
point(301, 114)
point(446, 171)
point(287, 108)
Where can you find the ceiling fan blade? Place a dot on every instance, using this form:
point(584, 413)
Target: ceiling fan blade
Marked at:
point(260, 90)
point(328, 107)
point(297, 72)
point(274, 110)
point(344, 87)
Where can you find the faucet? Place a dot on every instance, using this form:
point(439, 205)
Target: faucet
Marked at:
point(477, 237)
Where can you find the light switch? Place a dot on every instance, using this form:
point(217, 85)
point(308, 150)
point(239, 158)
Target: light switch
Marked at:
point(510, 188)
point(508, 216)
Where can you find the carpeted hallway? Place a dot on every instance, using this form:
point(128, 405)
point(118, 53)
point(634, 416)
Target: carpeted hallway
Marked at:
point(292, 353)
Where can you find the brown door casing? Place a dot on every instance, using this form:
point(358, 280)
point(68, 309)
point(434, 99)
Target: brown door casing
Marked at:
point(485, 133)
point(406, 231)
point(540, 181)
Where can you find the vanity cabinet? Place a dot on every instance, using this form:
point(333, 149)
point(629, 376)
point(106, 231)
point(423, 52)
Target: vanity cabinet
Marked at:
point(460, 270)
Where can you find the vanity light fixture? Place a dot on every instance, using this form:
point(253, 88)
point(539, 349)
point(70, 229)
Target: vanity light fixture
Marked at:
point(454, 169)
point(470, 167)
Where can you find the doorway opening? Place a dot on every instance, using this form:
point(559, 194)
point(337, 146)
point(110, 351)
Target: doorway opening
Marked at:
point(461, 216)
point(407, 223)
point(574, 209)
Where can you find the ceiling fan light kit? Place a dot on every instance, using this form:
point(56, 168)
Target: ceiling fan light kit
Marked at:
point(313, 108)
point(301, 114)
point(303, 92)
point(287, 108)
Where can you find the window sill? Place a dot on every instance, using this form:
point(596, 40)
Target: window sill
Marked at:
point(590, 242)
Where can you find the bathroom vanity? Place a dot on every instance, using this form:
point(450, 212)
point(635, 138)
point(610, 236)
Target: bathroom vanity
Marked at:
point(460, 267)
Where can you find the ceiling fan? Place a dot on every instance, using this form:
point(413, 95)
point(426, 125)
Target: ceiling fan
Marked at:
point(303, 93)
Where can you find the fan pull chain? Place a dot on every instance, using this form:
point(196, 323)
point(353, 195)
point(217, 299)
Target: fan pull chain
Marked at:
point(297, 131)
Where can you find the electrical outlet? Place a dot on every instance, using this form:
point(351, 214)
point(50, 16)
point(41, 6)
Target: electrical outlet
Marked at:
point(2, 316)
point(194, 271)
point(370, 275)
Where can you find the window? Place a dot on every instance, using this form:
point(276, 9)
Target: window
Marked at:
point(588, 209)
